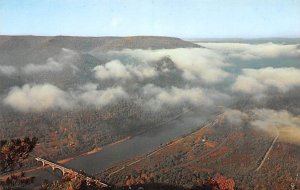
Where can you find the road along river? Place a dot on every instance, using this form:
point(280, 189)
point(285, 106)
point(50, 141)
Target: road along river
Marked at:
point(137, 145)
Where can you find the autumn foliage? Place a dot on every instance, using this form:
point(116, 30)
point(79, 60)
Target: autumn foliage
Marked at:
point(14, 152)
point(222, 183)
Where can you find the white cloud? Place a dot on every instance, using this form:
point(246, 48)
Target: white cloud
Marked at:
point(51, 65)
point(235, 117)
point(282, 122)
point(194, 96)
point(156, 96)
point(248, 84)
point(7, 70)
point(35, 98)
point(115, 69)
point(66, 58)
point(255, 81)
point(99, 98)
point(142, 71)
point(112, 70)
point(195, 63)
point(43, 97)
point(254, 51)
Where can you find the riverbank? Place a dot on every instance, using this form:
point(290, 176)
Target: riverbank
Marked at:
point(99, 149)
point(116, 168)
point(144, 141)
point(66, 160)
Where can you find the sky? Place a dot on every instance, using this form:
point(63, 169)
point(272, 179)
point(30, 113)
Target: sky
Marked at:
point(178, 18)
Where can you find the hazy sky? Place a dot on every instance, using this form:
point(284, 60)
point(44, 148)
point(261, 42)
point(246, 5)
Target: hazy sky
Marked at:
point(181, 18)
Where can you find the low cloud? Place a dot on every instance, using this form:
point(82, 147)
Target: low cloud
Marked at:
point(274, 122)
point(66, 58)
point(43, 97)
point(7, 70)
point(112, 70)
point(181, 77)
point(253, 81)
point(115, 69)
point(91, 96)
point(254, 51)
point(37, 98)
point(195, 63)
point(235, 118)
point(157, 97)
point(51, 65)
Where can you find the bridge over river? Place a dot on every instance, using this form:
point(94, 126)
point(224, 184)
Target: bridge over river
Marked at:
point(64, 170)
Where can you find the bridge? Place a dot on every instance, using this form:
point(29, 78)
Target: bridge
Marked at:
point(64, 170)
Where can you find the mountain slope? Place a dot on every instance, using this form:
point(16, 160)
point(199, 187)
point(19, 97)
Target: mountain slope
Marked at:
point(17, 50)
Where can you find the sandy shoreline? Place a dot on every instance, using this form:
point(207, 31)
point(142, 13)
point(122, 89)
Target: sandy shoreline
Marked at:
point(64, 161)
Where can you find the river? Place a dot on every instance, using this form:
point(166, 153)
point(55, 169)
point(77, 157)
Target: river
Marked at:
point(137, 145)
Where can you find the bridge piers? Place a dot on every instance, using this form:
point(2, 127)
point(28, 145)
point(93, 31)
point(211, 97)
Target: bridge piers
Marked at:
point(65, 170)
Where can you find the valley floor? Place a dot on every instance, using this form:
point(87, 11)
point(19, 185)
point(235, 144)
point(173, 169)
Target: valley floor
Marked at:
point(213, 151)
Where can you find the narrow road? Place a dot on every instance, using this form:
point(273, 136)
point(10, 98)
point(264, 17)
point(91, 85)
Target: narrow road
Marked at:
point(268, 152)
